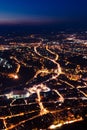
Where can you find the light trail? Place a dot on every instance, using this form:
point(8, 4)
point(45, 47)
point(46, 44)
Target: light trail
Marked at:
point(56, 56)
point(53, 127)
point(74, 87)
point(22, 122)
point(16, 115)
point(61, 99)
point(57, 71)
point(42, 109)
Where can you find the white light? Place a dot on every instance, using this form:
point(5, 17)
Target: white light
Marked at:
point(15, 76)
point(55, 126)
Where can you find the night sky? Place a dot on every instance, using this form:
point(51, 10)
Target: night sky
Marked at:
point(42, 11)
